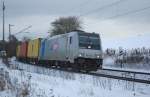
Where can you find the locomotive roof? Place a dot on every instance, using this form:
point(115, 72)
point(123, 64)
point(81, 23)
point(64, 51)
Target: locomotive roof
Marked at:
point(75, 31)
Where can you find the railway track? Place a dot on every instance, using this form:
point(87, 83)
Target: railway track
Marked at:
point(99, 74)
point(110, 76)
point(121, 78)
point(127, 71)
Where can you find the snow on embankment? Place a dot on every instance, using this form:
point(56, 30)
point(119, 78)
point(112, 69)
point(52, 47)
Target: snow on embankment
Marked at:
point(109, 63)
point(43, 82)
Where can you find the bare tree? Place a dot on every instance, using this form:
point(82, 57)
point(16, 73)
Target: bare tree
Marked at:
point(65, 25)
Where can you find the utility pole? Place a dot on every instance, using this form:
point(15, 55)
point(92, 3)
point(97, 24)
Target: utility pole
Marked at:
point(3, 26)
point(10, 31)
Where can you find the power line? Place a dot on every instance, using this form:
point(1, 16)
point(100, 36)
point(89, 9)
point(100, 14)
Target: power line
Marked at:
point(23, 30)
point(83, 3)
point(101, 8)
point(80, 5)
point(129, 12)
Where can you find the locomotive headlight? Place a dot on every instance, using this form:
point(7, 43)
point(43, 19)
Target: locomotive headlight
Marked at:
point(80, 55)
point(89, 47)
point(98, 56)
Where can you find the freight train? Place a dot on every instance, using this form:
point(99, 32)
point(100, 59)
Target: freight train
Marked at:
point(78, 50)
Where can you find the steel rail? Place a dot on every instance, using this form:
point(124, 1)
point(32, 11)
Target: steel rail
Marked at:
point(128, 71)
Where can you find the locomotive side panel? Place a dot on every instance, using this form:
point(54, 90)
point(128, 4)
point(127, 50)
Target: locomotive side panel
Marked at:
point(60, 48)
point(72, 47)
point(53, 48)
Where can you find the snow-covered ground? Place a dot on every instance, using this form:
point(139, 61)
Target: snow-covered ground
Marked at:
point(109, 63)
point(45, 82)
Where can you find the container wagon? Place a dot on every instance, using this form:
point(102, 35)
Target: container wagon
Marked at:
point(22, 51)
point(33, 50)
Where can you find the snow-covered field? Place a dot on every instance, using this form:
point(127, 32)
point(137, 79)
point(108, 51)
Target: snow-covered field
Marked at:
point(109, 63)
point(43, 82)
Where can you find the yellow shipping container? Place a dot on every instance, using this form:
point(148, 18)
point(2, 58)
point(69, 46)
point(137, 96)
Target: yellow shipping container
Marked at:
point(18, 51)
point(33, 48)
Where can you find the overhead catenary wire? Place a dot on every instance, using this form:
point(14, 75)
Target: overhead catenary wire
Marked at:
point(129, 12)
point(102, 8)
point(80, 5)
point(23, 30)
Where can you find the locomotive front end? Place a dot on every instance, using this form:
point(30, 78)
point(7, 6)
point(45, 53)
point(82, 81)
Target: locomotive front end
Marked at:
point(90, 51)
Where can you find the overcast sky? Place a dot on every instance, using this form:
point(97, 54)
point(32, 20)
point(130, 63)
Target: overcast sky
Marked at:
point(132, 30)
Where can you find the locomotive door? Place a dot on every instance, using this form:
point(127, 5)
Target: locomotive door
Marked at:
point(68, 53)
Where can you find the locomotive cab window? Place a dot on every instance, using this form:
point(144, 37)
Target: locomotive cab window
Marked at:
point(89, 41)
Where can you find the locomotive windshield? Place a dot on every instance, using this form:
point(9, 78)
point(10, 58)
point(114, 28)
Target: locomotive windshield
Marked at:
point(89, 41)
